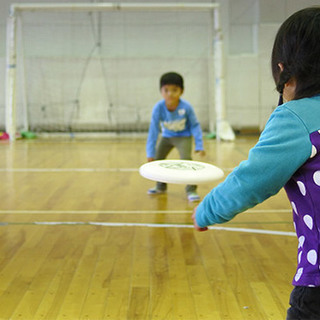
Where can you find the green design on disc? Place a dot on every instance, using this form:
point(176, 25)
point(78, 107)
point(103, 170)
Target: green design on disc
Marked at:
point(182, 166)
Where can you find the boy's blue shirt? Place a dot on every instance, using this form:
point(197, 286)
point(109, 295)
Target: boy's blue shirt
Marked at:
point(283, 147)
point(179, 123)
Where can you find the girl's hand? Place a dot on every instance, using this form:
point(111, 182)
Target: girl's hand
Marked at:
point(150, 159)
point(195, 222)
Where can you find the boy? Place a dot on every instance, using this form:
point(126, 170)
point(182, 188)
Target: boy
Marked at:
point(178, 123)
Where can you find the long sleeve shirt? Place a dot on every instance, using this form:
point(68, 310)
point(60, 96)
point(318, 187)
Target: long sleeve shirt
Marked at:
point(286, 155)
point(182, 122)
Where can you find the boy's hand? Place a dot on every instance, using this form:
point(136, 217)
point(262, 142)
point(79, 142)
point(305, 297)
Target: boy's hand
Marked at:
point(195, 222)
point(150, 159)
point(202, 153)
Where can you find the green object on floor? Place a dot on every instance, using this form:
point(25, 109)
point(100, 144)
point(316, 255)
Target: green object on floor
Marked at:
point(28, 134)
point(211, 135)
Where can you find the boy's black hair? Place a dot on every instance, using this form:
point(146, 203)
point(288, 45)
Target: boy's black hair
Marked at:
point(297, 48)
point(171, 78)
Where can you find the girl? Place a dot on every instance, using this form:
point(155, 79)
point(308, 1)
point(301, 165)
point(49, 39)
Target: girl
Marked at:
point(286, 155)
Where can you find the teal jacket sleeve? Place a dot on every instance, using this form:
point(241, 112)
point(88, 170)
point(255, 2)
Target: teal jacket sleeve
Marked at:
point(283, 147)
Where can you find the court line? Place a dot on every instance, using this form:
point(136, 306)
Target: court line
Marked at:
point(107, 212)
point(77, 169)
point(155, 225)
point(94, 212)
point(68, 169)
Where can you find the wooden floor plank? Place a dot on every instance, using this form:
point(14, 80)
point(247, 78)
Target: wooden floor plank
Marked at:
point(70, 252)
point(77, 270)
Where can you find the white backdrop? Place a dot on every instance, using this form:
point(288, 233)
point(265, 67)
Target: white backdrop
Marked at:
point(249, 29)
point(92, 71)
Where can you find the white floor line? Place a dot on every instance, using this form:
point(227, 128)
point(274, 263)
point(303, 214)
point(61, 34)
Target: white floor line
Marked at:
point(261, 231)
point(68, 169)
point(78, 169)
point(95, 212)
point(107, 212)
point(155, 225)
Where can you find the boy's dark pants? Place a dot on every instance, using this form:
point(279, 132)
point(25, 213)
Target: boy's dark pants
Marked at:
point(305, 304)
point(183, 145)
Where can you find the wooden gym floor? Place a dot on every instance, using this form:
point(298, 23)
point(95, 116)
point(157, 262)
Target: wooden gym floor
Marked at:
point(81, 239)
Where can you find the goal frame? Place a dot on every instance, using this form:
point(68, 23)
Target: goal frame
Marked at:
point(217, 110)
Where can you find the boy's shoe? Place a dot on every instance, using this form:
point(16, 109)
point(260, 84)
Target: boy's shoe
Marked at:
point(193, 196)
point(156, 191)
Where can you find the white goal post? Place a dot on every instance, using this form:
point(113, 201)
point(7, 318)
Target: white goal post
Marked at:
point(216, 84)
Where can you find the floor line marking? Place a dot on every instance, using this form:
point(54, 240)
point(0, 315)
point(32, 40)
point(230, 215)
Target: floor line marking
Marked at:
point(77, 169)
point(106, 212)
point(155, 225)
point(94, 212)
point(68, 169)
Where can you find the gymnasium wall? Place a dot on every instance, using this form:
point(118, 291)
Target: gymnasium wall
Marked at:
point(249, 29)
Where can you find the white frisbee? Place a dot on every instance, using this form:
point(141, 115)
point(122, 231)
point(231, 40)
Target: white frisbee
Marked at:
point(180, 171)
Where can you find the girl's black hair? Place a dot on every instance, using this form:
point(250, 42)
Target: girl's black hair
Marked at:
point(297, 48)
point(171, 78)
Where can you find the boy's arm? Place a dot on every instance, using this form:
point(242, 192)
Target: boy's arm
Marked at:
point(153, 134)
point(283, 147)
point(196, 131)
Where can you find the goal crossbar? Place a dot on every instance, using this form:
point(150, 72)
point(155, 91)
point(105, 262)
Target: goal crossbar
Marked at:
point(109, 6)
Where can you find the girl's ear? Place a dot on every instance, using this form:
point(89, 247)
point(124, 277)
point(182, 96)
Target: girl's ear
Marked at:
point(280, 65)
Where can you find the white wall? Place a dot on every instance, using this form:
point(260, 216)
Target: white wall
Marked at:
point(249, 29)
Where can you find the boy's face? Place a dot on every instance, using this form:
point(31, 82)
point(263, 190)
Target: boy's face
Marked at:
point(171, 94)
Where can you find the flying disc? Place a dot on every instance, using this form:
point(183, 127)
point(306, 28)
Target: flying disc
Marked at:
point(180, 171)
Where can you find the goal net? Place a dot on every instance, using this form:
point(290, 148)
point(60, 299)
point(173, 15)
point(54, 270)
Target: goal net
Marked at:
point(96, 67)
